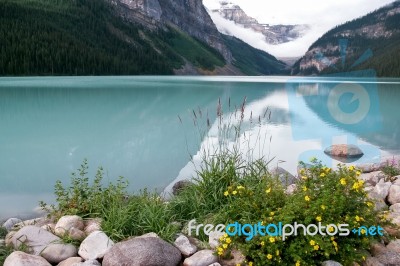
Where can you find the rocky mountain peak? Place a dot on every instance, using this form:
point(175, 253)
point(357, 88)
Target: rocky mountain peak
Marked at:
point(150, 8)
point(190, 16)
point(274, 34)
point(370, 42)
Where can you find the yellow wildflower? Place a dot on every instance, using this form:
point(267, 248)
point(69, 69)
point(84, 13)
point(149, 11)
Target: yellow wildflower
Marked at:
point(225, 246)
point(316, 247)
point(304, 177)
point(228, 240)
point(343, 181)
point(307, 198)
point(330, 229)
point(226, 193)
point(323, 207)
point(363, 231)
point(327, 170)
point(250, 263)
point(358, 173)
point(272, 239)
point(234, 192)
point(351, 168)
point(322, 175)
point(268, 190)
point(269, 256)
point(240, 187)
point(272, 213)
point(277, 253)
point(318, 218)
point(357, 218)
point(304, 188)
point(358, 185)
point(335, 245)
point(262, 243)
point(312, 242)
point(297, 263)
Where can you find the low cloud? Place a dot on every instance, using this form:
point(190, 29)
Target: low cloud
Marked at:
point(321, 16)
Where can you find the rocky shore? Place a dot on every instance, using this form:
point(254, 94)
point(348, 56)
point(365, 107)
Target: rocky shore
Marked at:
point(73, 241)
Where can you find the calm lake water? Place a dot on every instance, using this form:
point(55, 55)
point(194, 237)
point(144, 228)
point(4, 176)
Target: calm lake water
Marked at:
point(147, 128)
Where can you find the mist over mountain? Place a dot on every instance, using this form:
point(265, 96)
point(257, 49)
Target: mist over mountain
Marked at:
point(369, 42)
point(318, 16)
point(274, 34)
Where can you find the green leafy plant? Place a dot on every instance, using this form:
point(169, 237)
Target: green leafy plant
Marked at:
point(391, 169)
point(122, 214)
point(4, 253)
point(3, 232)
point(85, 199)
point(322, 196)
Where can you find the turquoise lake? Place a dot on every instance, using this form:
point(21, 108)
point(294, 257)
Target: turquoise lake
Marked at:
point(147, 129)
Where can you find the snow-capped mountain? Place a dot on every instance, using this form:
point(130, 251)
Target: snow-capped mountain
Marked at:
point(274, 34)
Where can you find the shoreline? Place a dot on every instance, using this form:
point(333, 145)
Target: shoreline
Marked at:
point(378, 185)
point(167, 192)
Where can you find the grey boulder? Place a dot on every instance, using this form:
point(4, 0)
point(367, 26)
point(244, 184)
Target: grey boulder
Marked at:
point(18, 258)
point(67, 222)
point(284, 176)
point(143, 251)
point(55, 253)
point(201, 258)
point(35, 238)
point(184, 245)
point(9, 224)
point(95, 246)
point(344, 151)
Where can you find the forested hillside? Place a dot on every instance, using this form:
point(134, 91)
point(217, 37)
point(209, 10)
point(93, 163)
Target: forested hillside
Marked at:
point(87, 37)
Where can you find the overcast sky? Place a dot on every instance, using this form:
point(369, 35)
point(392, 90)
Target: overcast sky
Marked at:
point(320, 15)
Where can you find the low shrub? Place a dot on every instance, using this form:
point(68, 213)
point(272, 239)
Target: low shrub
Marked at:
point(123, 215)
point(322, 196)
point(391, 169)
point(83, 198)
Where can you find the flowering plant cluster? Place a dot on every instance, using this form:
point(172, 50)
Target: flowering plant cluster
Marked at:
point(322, 195)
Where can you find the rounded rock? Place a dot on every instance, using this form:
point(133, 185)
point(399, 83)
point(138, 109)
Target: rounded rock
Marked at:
point(95, 246)
point(22, 259)
point(344, 151)
point(143, 251)
point(66, 223)
point(9, 224)
point(55, 253)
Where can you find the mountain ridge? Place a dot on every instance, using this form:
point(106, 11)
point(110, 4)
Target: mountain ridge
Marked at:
point(371, 41)
point(112, 37)
point(274, 34)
